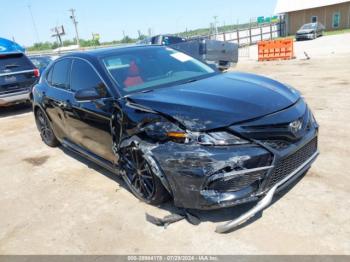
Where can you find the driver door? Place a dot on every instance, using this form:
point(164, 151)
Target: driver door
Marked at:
point(89, 121)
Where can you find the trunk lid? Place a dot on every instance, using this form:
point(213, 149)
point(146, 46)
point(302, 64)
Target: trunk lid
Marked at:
point(17, 73)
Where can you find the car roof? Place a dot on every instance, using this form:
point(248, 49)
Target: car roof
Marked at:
point(95, 53)
point(311, 23)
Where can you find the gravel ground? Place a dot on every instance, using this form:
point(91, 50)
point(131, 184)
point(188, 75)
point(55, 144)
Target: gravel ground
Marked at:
point(53, 202)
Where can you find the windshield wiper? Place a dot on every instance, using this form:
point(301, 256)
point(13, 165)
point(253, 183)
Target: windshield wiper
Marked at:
point(147, 91)
point(189, 81)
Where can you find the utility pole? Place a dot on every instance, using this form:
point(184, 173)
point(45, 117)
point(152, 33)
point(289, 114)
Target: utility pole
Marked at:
point(58, 32)
point(216, 24)
point(34, 24)
point(75, 23)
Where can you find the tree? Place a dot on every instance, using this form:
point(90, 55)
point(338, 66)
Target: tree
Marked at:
point(127, 40)
point(141, 37)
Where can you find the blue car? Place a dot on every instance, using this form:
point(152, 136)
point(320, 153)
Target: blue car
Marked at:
point(7, 46)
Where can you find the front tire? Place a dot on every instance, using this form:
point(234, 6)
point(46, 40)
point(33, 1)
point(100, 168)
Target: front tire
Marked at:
point(44, 127)
point(140, 178)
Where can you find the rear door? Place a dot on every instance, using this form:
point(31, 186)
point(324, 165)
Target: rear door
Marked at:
point(57, 96)
point(17, 74)
point(89, 121)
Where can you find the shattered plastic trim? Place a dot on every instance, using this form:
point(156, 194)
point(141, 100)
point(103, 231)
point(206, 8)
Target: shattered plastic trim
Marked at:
point(233, 174)
point(266, 200)
point(147, 152)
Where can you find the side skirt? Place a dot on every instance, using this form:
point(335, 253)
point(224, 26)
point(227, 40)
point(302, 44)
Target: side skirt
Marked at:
point(90, 156)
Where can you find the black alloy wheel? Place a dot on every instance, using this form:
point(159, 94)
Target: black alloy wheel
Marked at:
point(141, 180)
point(45, 130)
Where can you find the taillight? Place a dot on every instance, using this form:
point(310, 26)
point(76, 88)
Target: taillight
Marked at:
point(36, 72)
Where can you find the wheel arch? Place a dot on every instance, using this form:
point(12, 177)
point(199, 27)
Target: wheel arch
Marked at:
point(146, 150)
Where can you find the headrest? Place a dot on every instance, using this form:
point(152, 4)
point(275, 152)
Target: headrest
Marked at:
point(133, 69)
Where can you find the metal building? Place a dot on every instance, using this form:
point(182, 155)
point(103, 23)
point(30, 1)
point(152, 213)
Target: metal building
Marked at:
point(333, 14)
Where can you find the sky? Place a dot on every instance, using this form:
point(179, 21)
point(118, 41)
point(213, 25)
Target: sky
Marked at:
point(110, 18)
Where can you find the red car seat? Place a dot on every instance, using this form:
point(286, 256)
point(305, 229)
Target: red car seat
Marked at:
point(133, 77)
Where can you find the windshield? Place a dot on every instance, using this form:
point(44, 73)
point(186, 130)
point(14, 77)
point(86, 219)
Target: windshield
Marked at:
point(171, 40)
point(142, 69)
point(40, 62)
point(14, 62)
point(308, 26)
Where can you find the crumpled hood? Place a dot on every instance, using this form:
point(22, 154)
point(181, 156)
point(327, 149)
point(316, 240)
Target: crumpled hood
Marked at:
point(219, 101)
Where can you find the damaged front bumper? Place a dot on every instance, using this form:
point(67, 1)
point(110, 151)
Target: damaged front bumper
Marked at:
point(196, 174)
point(267, 199)
point(212, 177)
point(200, 177)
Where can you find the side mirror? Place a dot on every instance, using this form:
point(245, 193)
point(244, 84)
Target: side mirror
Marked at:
point(87, 94)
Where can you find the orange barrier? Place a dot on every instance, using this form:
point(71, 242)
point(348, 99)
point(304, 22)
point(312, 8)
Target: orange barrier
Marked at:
point(276, 50)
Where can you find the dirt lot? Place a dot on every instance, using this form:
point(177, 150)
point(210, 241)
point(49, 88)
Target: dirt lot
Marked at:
point(53, 202)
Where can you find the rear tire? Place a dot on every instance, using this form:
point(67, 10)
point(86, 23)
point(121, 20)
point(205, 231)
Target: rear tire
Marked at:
point(44, 127)
point(140, 178)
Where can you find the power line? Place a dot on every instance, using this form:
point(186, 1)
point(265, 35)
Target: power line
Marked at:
point(75, 23)
point(34, 24)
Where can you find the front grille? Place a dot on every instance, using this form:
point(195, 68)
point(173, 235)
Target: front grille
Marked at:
point(289, 164)
point(236, 183)
point(276, 144)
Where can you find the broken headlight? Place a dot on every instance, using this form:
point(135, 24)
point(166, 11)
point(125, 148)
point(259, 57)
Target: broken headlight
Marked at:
point(207, 139)
point(163, 130)
point(220, 139)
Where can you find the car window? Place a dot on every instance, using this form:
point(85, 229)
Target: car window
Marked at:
point(49, 75)
point(14, 63)
point(308, 26)
point(83, 76)
point(60, 73)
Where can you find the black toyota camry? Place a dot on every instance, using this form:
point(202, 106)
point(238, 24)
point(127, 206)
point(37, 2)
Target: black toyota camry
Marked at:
point(174, 127)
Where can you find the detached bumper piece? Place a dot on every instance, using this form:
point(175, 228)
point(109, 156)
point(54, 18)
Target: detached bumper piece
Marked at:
point(267, 199)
